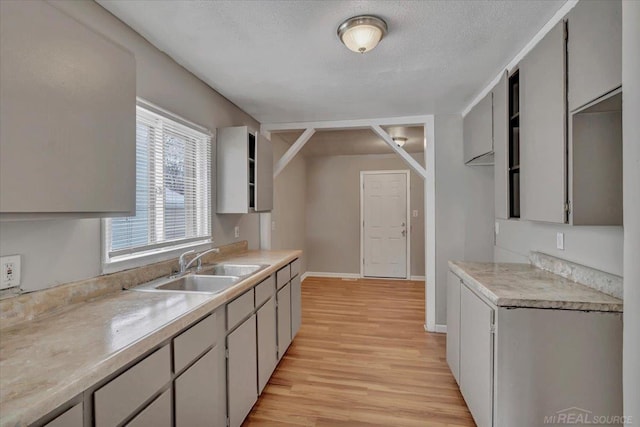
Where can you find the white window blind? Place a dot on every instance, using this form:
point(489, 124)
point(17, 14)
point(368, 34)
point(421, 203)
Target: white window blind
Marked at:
point(173, 189)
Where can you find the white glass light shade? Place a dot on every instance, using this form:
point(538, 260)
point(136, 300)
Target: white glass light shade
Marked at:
point(362, 38)
point(362, 33)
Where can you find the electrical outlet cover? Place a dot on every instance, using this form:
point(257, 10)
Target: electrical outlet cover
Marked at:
point(560, 241)
point(9, 271)
point(237, 231)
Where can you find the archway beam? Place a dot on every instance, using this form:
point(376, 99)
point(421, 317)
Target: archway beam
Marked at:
point(293, 150)
point(413, 164)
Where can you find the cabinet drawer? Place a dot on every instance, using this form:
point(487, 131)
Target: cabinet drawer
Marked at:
point(264, 290)
point(123, 395)
point(70, 418)
point(283, 276)
point(193, 342)
point(240, 308)
point(157, 414)
point(295, 267)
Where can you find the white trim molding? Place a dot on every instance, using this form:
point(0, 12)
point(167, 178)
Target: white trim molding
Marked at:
point(441, 329)
point(331, 275)
point(557, 17)
point(417, 278)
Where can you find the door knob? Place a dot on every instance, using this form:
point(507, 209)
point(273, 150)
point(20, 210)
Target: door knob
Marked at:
point(404, 233)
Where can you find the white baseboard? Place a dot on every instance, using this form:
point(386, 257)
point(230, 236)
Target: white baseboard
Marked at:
point(347, 276)
point(332, 275)
point(440, 329)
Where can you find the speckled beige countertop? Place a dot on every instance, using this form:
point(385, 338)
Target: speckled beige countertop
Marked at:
point(523, 285)
point(50, 360)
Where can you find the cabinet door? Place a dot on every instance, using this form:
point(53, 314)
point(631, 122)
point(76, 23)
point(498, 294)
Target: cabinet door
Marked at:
point(500, 146)
point(198, 402)
point(478, 133)
point(267, 342)
point(296, 305)
point(232, 170)
point(542, 129)
point(70, 418)
point(594, 49)
point(157, 414)
point(242, 368)
point(68, 113)
point(476, 356)
point(284, 319)
point(453, 324)
point(264, 174)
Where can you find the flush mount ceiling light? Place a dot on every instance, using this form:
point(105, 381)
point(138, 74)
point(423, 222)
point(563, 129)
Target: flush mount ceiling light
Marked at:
point(400, 140)
point(362, 33)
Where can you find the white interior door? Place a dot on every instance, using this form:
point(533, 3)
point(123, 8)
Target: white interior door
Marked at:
point(385, 224)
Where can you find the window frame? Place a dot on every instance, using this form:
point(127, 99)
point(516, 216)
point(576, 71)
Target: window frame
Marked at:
point(130, 258)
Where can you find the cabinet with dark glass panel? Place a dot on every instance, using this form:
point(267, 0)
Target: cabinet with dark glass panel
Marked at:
point(514, 145)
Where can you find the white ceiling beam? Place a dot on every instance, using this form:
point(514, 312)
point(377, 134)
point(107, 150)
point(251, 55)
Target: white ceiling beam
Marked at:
point(293, 150)
point(417, 167)
point(346, 124)
point(557, 17)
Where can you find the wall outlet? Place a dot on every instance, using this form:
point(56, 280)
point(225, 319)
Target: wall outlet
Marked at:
point(497, 228)
point(273, 226)
point(560, 241)
point(237, 231)
point(415, 213)
point(9, 271)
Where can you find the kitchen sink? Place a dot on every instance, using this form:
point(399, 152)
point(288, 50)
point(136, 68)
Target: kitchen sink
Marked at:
point(239, 270)
point(191, 283)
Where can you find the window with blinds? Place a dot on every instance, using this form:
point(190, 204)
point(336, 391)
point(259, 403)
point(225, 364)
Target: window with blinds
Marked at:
point(173, 189)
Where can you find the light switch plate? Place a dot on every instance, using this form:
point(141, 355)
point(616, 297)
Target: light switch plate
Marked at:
point(560, 241)
point(237, 231)
point(415, 213)
point(9, 271)
point(497, 228)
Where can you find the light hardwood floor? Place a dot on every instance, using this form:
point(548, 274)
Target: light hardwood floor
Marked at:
point(362, 358)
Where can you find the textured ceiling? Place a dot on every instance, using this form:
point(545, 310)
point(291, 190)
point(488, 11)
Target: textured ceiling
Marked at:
point(281, 61)
point(351, 142)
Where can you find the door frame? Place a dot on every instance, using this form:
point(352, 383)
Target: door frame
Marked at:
point(408, 219)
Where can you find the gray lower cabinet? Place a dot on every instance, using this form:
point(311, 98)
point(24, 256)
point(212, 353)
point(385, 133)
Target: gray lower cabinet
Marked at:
point(520, 365)
point(453, 324)
point(296, 305)
point(157, 414)
point(284, 319)
point(116, 401)
point(594, 50)
point(70, 418)
point(543, 129)
point(267, 342)
point(476, 356)
point(242, 371)
point(197, 398)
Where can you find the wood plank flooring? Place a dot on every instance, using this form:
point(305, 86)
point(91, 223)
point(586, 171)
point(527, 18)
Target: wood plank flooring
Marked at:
point(362, 358)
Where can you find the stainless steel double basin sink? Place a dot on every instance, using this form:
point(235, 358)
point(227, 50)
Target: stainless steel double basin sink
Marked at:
point(209, 280)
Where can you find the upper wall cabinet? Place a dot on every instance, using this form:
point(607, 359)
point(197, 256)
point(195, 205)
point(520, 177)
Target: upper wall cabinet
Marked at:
point(68, 111)
point(478, 133)
point(244, 165)
point(595, 50)
point(500, 145)
point(543, 129)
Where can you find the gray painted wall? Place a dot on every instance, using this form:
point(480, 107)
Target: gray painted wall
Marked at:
point(60, 251)
point(631, 179)
point(464, 207)
point(289, 203)
point(333, 211)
